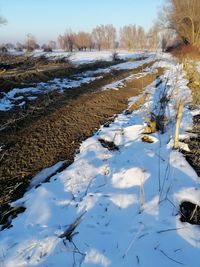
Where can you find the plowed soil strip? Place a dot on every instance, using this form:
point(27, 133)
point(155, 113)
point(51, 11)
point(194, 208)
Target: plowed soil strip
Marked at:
point(57, 135)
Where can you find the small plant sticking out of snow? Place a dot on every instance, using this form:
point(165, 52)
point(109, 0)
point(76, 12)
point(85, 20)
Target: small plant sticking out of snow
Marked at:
point(190, 212)
point(151, 127)
point(115, 56)
point(108, 144)
point(178, 122)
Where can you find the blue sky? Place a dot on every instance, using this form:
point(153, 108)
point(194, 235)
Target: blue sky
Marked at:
point(46, 19)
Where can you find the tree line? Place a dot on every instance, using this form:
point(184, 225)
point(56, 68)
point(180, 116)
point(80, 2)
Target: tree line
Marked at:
point(178, 22)
point(102, 37)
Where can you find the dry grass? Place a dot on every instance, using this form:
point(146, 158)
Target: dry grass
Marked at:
point(184, 52)
point(193, 77)
point(137, 104)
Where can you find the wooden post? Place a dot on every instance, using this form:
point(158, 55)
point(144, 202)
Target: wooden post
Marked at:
point(178, 122)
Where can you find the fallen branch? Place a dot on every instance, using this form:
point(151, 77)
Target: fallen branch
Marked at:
point(69, 233)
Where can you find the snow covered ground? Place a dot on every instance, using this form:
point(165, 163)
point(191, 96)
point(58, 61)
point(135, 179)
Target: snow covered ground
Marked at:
point(18, 97)
point(89, 57)
point(124, 202)
point(84, 56)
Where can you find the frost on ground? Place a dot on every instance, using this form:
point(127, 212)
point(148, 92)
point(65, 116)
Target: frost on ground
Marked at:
point(122, 203)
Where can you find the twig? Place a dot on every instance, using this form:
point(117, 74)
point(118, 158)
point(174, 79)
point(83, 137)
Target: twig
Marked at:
point(193, 213)
point(133, 240)
point(168, 230)
point(170, 257)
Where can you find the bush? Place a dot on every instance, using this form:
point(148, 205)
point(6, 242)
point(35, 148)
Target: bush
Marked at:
point(3, 49)
point(115, 56)
point(47, 49)
point(185, 51)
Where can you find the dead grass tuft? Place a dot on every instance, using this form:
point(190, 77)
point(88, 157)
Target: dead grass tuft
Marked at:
point(186, 52)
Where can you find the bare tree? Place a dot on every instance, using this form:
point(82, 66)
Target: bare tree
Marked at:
point(31, 43)
point(98, 36)
point(153, 37)
point(184, 17)
point(19, 46)
point(83, 40)
point(52, 45)
point(128, 37)
point(110, 36)
point(141, 38)
point(67, 41)
point(104, 36)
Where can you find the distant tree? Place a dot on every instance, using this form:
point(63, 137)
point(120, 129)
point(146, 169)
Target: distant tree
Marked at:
point(19, 46)
point(52, 45)
point(104, 36)
point(128, 37)
point(153, 37)
point(31, 43)
point(46, 48)
point(141, 38)
point(83, 40)
point(98, 36)
point(66, 41)
point(110, 36)
point(9, 46)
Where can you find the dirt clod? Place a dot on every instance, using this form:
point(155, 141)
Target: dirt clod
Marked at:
point(108, 144)
point(190, 212)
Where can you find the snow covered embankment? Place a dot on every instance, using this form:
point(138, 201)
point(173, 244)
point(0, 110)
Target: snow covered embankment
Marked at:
point(128, 198)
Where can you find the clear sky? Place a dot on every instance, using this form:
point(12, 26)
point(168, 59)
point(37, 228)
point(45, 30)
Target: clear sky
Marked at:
point(46, 19)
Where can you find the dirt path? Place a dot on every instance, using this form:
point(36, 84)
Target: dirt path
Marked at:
point(56, 133)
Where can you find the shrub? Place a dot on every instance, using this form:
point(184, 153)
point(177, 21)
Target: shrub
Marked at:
point(185, 51)
point(115, 56)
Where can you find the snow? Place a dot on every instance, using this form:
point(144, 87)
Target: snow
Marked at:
point(121, 83)
point(88, 56)
point(128, 199)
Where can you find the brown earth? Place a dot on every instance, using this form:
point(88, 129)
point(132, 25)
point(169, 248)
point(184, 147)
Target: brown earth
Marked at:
point(193, 77)
point(20, 71)
point(53, 132)
point(193, 157)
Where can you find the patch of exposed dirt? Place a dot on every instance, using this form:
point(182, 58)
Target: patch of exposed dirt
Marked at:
point(190, 212)
point(193, 157)
point(54, 132)
point(193, 76)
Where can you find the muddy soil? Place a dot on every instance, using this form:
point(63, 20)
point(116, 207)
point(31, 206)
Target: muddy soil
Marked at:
point(53, 132)
point(20, 71)
point(46, 103)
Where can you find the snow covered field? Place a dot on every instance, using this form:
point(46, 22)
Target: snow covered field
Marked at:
point(124, 203)
point(89, 57)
